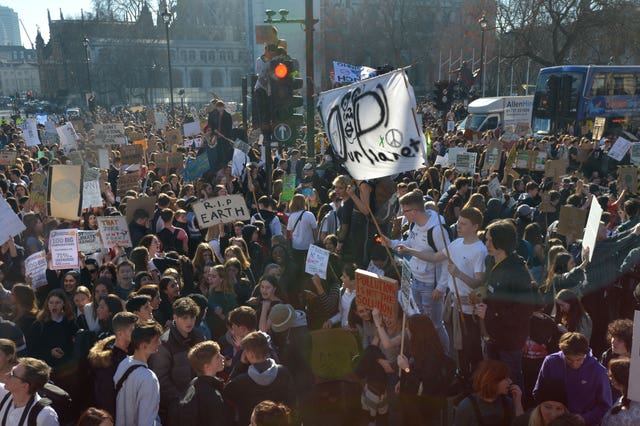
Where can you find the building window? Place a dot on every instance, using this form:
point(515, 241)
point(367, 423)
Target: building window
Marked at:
point(177, 78)
point(195, 78)
point(203, 55)
point(217, 78)
point(212, 56)
point(183, 56)
point(235, 77)
point(192, 56)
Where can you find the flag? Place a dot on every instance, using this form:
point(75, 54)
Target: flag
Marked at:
point(372, 128)
point(427, 135)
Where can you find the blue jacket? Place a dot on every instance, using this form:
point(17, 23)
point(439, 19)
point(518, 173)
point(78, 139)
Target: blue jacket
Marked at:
point(588, 389)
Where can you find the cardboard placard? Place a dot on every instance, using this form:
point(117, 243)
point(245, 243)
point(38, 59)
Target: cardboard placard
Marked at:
point(405, 296)
point(466, 163)
point(64, 191)
point(599, 124)
point(131, 154)
point(375, 291)
point(619, 149)
point(317, 261)
point(8, 158)
point(128, 181)
point(635, 153)
point(628, 179)
point(148, 204)
point(217, 210)
point(173, 137)
point(114, 231)
point(170, 161)
point(38, 195)
point(492, 156)
point(545, 205)
point(555, 169)
point(63, 247)
point(572, 222)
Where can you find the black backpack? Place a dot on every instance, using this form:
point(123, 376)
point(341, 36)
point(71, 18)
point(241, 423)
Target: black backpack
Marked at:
point(51, 395)
point(185, 412)
point(170, 240)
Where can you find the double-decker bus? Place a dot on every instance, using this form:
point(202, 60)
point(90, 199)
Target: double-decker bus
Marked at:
point(569, 98)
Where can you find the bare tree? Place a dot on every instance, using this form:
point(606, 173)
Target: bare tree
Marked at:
point(554, 32)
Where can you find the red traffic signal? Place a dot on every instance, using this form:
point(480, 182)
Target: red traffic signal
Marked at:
point(281, 70)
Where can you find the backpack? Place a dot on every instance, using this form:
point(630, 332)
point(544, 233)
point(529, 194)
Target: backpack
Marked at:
point(124, 377)
point(61, 403)
point(170, 240)
point(185, 412)
point(385, 198)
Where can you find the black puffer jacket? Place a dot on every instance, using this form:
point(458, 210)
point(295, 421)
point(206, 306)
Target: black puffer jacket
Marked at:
point(171, 364)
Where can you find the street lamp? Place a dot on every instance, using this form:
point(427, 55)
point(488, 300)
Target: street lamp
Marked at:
point(166, 18)
point(85, 43)
point(483, 26)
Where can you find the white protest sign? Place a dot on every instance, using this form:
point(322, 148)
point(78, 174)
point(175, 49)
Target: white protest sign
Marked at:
point(238, 162)
point(114, 231)
point(619, 149)
point(63, 246)
point(441, 161)
point(405, 297)
point(89, 241)
point(50, 133)
point(371, 126)
point(91, 196)
point(10, 223)
point(103, 158)
point(68, 137)
point(160, 119)
point(317, 261)
point(216, 210)
point(593, 224)
point(346, 73)
point(453, 154)
point(35, 267)
point(30, 132)
point(109, 134)
point(466, 162)
point(634, 371)
point(494, 188)
point(242, 146)
point(191, 129)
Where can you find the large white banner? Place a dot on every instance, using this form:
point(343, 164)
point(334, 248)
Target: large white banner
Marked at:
point(346, 73)
point(372, 128)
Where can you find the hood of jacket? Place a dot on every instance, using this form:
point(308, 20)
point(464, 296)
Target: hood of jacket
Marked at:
point(100, 354)
point(265, 377)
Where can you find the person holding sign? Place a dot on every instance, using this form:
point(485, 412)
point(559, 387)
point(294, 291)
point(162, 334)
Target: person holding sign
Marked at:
point(430, 280)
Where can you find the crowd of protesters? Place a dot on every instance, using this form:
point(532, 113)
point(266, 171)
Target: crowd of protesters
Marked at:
point(214, 326)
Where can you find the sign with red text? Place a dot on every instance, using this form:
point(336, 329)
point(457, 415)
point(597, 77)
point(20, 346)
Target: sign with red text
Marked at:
point(63, 246)
point(375, 291)
point(114, 231)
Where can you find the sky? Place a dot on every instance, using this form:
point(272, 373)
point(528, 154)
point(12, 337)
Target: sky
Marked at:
point(33, 14)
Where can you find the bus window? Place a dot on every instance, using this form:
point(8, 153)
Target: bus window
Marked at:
point(598, 87)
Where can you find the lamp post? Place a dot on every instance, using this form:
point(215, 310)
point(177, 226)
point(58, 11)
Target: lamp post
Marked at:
point(85, 43)
point(483, 26)
point(166, 18)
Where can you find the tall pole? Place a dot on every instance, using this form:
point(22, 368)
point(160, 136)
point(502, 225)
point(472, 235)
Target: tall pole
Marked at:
point(482, 64)
point(166, 17)
point(85, 43)
point(311, 125)
point(483, 26)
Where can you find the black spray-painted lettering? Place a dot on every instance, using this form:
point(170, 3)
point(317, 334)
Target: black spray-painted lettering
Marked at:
point(346, 123)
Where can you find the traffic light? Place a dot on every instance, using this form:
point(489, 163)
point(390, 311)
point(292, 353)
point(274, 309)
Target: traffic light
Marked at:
point(284, 83)
point(442, 95)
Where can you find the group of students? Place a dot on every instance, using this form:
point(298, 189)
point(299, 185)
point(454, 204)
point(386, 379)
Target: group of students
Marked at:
point(215, 326)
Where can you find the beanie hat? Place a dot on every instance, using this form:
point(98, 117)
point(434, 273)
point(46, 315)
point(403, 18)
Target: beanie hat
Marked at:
point(551, 389)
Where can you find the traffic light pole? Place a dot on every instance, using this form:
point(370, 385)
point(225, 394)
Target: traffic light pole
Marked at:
point(311, 125)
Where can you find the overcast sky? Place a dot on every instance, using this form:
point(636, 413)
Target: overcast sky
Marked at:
point(34, 14)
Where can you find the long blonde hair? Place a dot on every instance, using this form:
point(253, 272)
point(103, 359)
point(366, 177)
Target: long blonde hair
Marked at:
point(536, 417)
